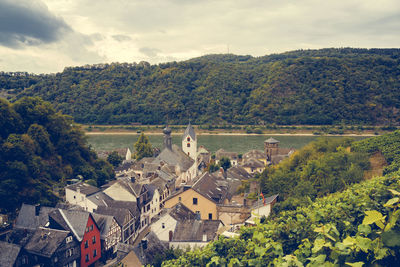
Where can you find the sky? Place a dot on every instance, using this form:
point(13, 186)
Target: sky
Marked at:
point(45, 36)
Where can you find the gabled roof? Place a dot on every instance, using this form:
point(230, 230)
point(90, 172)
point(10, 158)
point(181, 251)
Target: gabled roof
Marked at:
point(45, 241)
point(189, 131)
point(255, 154)
point(253, 163)
point(119, 213)
point(193, 230)
point(175, 157)
point(271, 141)
point(211, 187)
point(267, 201)
point(104, 222)
point(125, 166)
point(221, 153)
point(72, 220)
point(27, 218)
point(181, 213)
point(84, 188)
point(154, 247)
point(132, 190)
point(8, 253)
point(237, 172)
point(100, 198)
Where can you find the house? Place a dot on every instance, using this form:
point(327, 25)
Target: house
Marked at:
point(10, 255)
point(127, 217)
point(84, 229)
point(110, 234)
point(31, 217)
point(202, 196)
point(203, 159)
point(125, 169)
point(125, 153)
point(253, 166)
point(125, 189)
point(164, 225)
point(78, 194)
point(195, 233)
point(51, 247)
point(255, 154)
point(261, 209)
point(232, 156)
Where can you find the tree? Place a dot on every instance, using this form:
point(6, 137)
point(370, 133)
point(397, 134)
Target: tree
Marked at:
point(114, 158)
point(143, 147)
point(225, 163)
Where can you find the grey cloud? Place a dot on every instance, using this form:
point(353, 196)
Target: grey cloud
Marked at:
point(121, 37)
point(150, 52)
point(28, 22)
point(97, 37)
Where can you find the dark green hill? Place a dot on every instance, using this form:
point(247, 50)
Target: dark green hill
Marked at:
point(327, 86)
point(39, 150)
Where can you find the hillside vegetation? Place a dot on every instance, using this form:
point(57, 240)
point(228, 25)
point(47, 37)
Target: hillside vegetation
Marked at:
point(356, 227)
point(39, 150)
point(328, 86)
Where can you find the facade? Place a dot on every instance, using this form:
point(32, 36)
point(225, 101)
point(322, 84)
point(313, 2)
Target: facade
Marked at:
point(79, 193)
point(85, 230)
point(189, 142)
point(110, 234)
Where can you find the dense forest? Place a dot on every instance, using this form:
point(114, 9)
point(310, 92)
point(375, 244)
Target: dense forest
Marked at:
point(327, 86)
point(39, 150)
point(356, 227)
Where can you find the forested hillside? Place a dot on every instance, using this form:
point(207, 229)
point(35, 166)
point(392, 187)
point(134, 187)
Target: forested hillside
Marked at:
point(39, 150)
point(328, 86)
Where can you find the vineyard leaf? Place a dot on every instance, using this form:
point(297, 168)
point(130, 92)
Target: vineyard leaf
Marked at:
point(372, 217)
point(392, 201)
point(355, 264)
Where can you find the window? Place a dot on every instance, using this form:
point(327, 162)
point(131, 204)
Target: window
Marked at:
point(188, 144)
point(91, 227)
point(55, 259)
point(86, 244)
point(163, 225)
point(87, 229)
point(210, 216)
point(69, 252)
point(195, 201)
point(94, 253)
point(24, 259)
point(74, 197)
point(94, 240)
point(188, 139)
point(68, 239)
point(180, 199)
point(87, 257)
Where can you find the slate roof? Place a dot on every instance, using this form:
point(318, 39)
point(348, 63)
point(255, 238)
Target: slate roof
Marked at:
point(118, 213)
point(28, 220)
point(104, 222)
point(271, 141)
point(8, 253)
point(255, 154)
point(100, 199)
point(154, 248)
point(253, 163)
point(212, 187)
point(71, 220)
point(125, 166)
point(194, 230)
point(189, 131)
point(267, 201)
point(181, 213)
point(159, 183)
point(131, 206)
point(237, 172)
point(45, 241)
point(221, 153)
point(85, 189)
point(175, 157)
point(19, 236)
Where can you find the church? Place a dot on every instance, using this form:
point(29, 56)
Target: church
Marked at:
point(182, 159)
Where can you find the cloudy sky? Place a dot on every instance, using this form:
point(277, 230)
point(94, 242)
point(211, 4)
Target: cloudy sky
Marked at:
point(43, 36)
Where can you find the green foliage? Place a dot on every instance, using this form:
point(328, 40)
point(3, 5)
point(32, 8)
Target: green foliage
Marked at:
point(114, 159)
point(323, 166)
point(388, 144)
point(40, 149)
point(327, 86)
point(356, 227)
point(225, 163)
point(143, 147)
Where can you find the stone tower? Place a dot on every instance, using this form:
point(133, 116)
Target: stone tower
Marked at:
point(271, 147)
point(189, 142)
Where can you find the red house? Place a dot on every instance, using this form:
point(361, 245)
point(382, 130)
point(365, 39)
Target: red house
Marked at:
point(85, 230)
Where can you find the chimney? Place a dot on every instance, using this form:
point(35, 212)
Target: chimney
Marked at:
point(37, 209)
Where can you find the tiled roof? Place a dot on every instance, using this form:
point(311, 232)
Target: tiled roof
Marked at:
point(193, 230)
point(256, 154)
point(85, 189)
point(212, 187)
point(27, 218)
point(238, 172)
point(72, 220)
point(104, 222)
point(181, 213)
point(253, 163)
point(189, 131)
point(45, 241)
point(175, 157)
point(8, 253)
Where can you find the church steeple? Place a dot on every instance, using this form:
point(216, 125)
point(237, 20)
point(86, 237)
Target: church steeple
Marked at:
point(189, 142)
point(167, 138)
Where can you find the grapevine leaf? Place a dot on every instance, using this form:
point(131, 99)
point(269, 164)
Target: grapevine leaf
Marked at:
point(355, 264)
point(372, 217)
point(391, 202)
point(394, 192)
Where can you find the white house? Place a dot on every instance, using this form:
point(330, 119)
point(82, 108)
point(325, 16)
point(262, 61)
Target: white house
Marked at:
point(79, 194)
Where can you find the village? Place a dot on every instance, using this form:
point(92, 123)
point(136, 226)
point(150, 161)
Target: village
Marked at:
point(167, 201)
